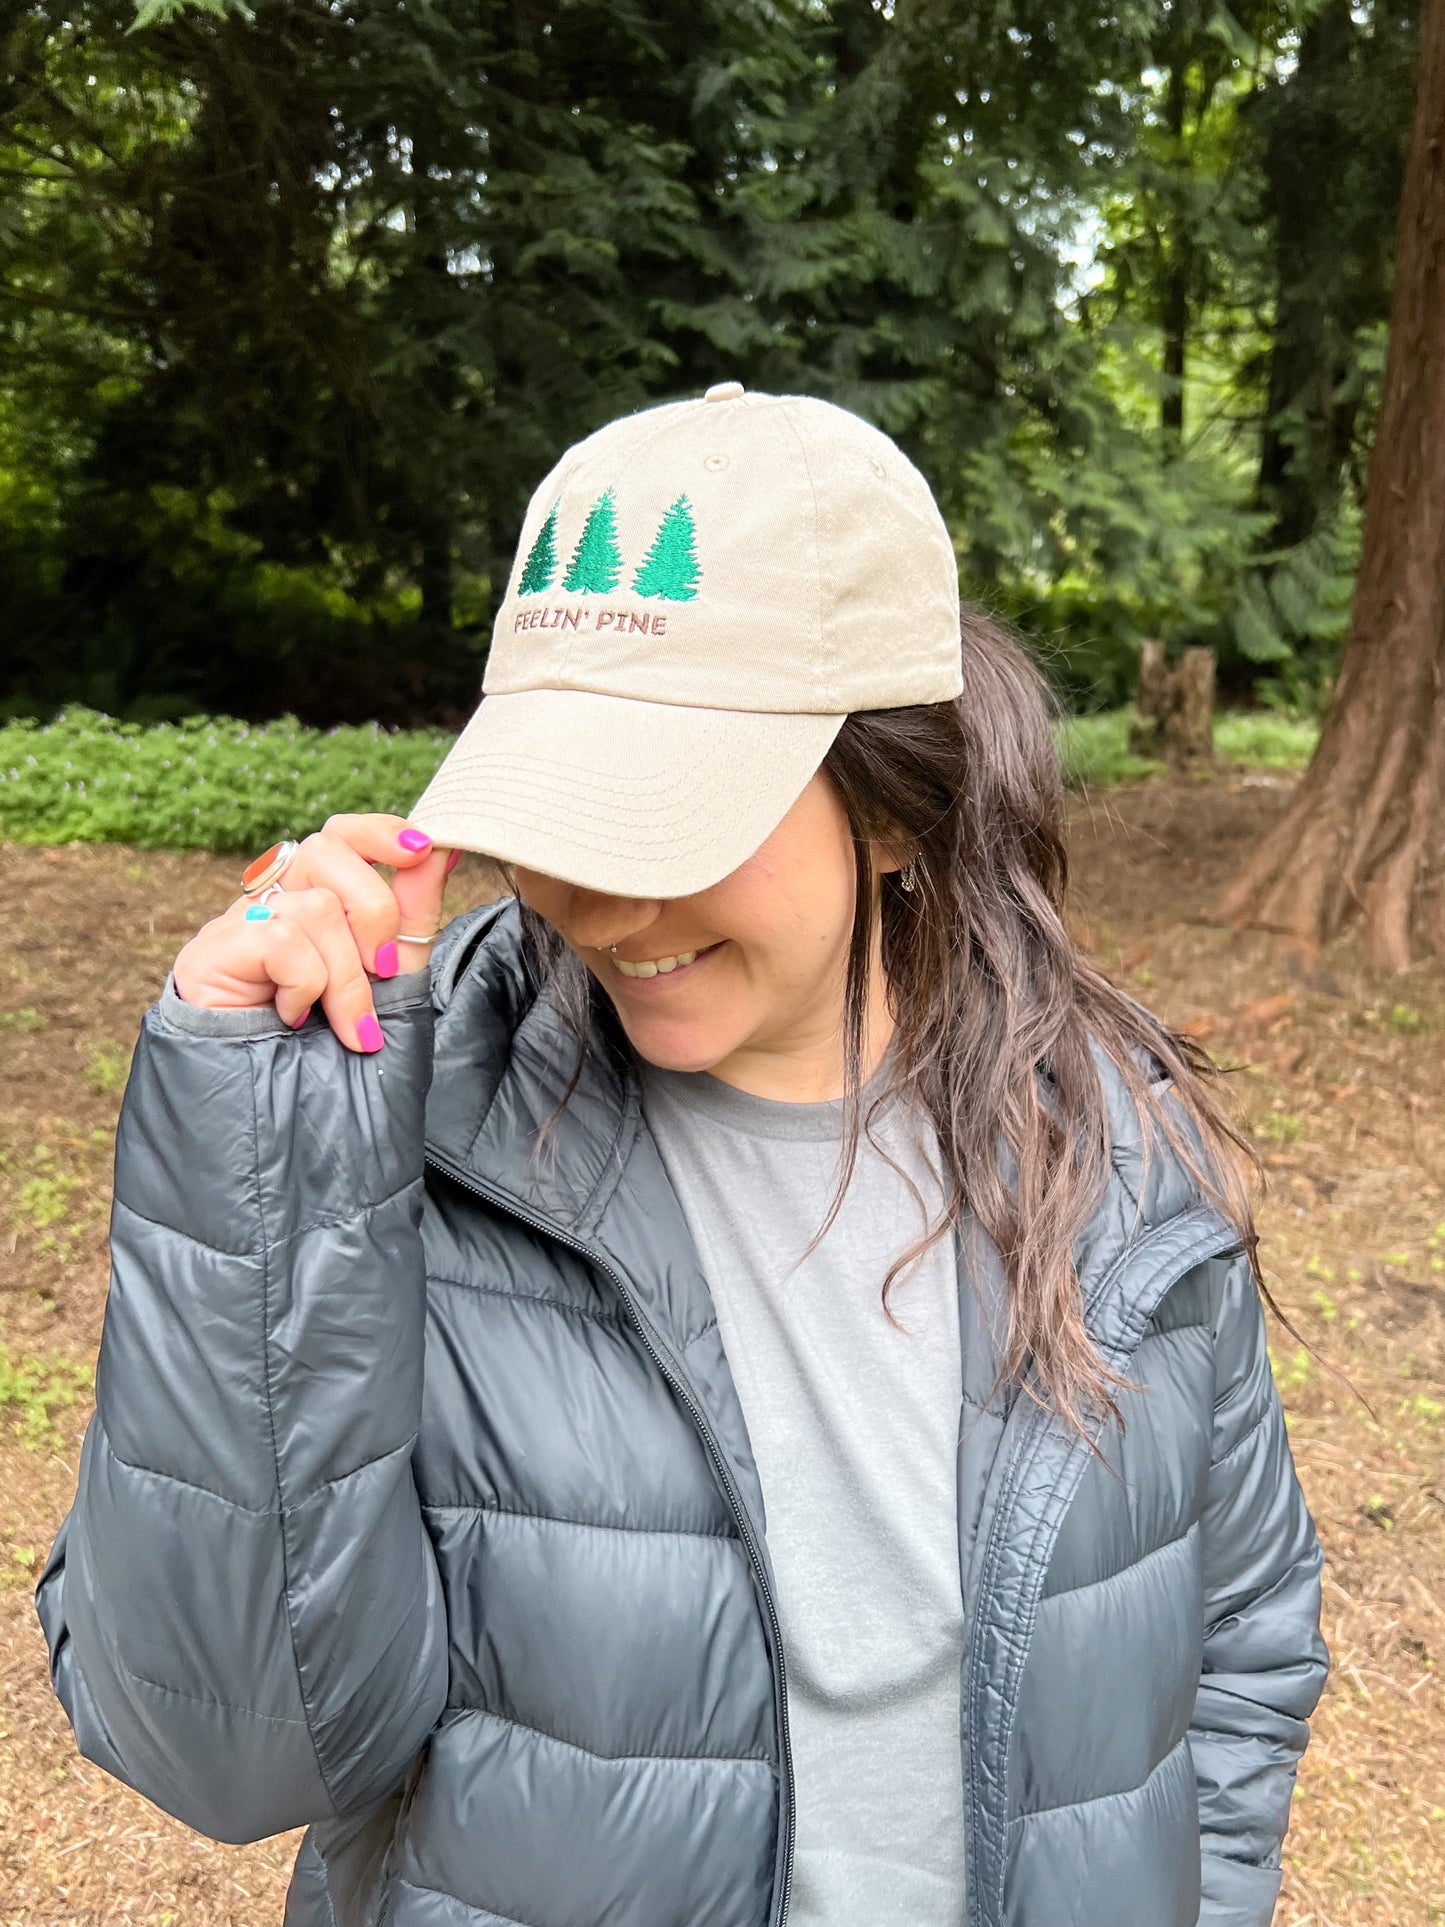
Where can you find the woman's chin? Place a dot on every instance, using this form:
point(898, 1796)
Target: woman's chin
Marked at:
point(675, 1043)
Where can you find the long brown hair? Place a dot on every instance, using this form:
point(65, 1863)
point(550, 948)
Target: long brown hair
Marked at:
point(996, 1012)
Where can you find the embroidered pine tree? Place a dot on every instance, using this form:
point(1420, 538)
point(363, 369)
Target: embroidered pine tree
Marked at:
point(596, 562)
point(670, 568)
point(541, 564)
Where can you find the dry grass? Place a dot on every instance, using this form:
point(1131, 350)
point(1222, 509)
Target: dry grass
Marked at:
point(1343, 1095)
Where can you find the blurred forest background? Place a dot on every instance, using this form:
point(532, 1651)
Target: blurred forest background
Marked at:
point(299, 300)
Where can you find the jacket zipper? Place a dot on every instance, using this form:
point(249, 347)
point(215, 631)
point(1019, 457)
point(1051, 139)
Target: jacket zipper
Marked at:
point(1210, 1242)
point(684, 1394)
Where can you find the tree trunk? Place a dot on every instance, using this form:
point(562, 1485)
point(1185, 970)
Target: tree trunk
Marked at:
point(1309, 416)
point(1364, 836)
point(435, 573)
point(1174, 313)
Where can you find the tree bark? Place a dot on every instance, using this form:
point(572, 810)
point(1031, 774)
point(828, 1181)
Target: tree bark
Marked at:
point(1176, 706)
point(1364, 836)
point(1309, 418)
point(1152, 699)
point(1189, 733)
point(1174, 308)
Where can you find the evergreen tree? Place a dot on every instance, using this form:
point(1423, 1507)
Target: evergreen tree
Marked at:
point(670, 569)
point(305, 295)
point(1363, 838)
point(541, 564)
point(301, 297)
point(596, 561)
point(1331, 134)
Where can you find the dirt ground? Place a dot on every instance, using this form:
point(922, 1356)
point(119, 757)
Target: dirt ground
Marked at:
point(1340, 1086)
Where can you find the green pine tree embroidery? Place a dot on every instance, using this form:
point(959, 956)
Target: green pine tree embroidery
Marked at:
point(670, 568)
point(541, 563)
point(596, 562)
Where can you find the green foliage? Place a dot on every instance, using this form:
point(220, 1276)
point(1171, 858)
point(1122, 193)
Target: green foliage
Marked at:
point(213, 784)
point(1291, 609)
point(51, 1196)
point(1095, 748)
point(44, 1202)
point(35, 1388)
point(1323, 139)
point(216, 783)
point(25, 1020)
point(300, 305)
point(160, 13)
point(106, 1068)
point(303, 299)
point(1294, 1376)
point(1265, 741)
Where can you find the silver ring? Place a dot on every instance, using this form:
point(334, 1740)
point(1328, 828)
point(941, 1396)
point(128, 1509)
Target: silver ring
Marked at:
point(276, 862)
point(405, 936)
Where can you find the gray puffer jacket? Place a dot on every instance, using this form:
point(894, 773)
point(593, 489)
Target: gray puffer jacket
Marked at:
point(418, 1507)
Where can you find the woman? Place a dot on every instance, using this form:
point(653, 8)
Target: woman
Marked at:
point(734, 1387)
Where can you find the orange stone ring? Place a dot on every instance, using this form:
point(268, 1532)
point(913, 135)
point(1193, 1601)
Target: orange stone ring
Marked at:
point(268, 868)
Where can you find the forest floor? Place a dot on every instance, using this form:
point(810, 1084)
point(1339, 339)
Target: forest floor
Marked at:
point(1340, 1087)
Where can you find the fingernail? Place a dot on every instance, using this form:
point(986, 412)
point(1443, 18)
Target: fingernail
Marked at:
point(368, 1033)
point(387, 962)
point(297, 1022)
point(414, 840)
point(452, 861)
point(258, 913)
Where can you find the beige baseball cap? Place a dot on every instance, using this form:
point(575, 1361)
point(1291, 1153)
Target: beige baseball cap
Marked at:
point(702, 594)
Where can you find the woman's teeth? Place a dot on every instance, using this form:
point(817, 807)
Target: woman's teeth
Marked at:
point(656, 965)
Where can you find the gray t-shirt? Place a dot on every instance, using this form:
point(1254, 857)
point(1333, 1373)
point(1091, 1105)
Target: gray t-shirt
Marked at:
point(854, 1426)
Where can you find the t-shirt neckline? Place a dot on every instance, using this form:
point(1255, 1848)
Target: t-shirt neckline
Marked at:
point(821, 1121)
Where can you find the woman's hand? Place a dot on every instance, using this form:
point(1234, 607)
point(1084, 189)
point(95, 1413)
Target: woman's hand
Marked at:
point(330, 928)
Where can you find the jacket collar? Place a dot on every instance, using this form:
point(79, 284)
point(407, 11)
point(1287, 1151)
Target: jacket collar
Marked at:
point(503, 1059)
point(504, 1056)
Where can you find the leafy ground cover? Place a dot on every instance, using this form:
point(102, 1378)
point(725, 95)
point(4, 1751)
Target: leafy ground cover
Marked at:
point(213, 783)
point(209, 783)
point(1338, 1085)
point(1097, 755)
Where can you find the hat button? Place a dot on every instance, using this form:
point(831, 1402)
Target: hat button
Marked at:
point(725, 391)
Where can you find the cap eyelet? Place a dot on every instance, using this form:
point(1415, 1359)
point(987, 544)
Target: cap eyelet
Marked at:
point(715, 462)
point(877, 467)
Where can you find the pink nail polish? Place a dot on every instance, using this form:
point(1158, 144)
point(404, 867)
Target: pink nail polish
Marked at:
point(387, 960)
point(414, 840)
point(452, 861)
point(368, 1033)
point(297, 1022)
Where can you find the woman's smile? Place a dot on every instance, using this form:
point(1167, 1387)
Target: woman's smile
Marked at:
point(649, 975)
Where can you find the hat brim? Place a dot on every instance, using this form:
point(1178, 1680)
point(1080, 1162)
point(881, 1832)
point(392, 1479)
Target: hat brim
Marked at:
point(638, 799)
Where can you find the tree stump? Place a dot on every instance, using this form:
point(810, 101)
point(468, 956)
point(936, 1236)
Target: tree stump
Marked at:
point(1176, 706)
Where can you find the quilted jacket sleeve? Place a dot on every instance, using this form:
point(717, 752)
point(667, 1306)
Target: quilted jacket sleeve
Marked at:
point(1264, 1658)
point(243, 1611)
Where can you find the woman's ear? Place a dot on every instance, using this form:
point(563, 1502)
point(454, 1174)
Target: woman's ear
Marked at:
point(892, 853)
